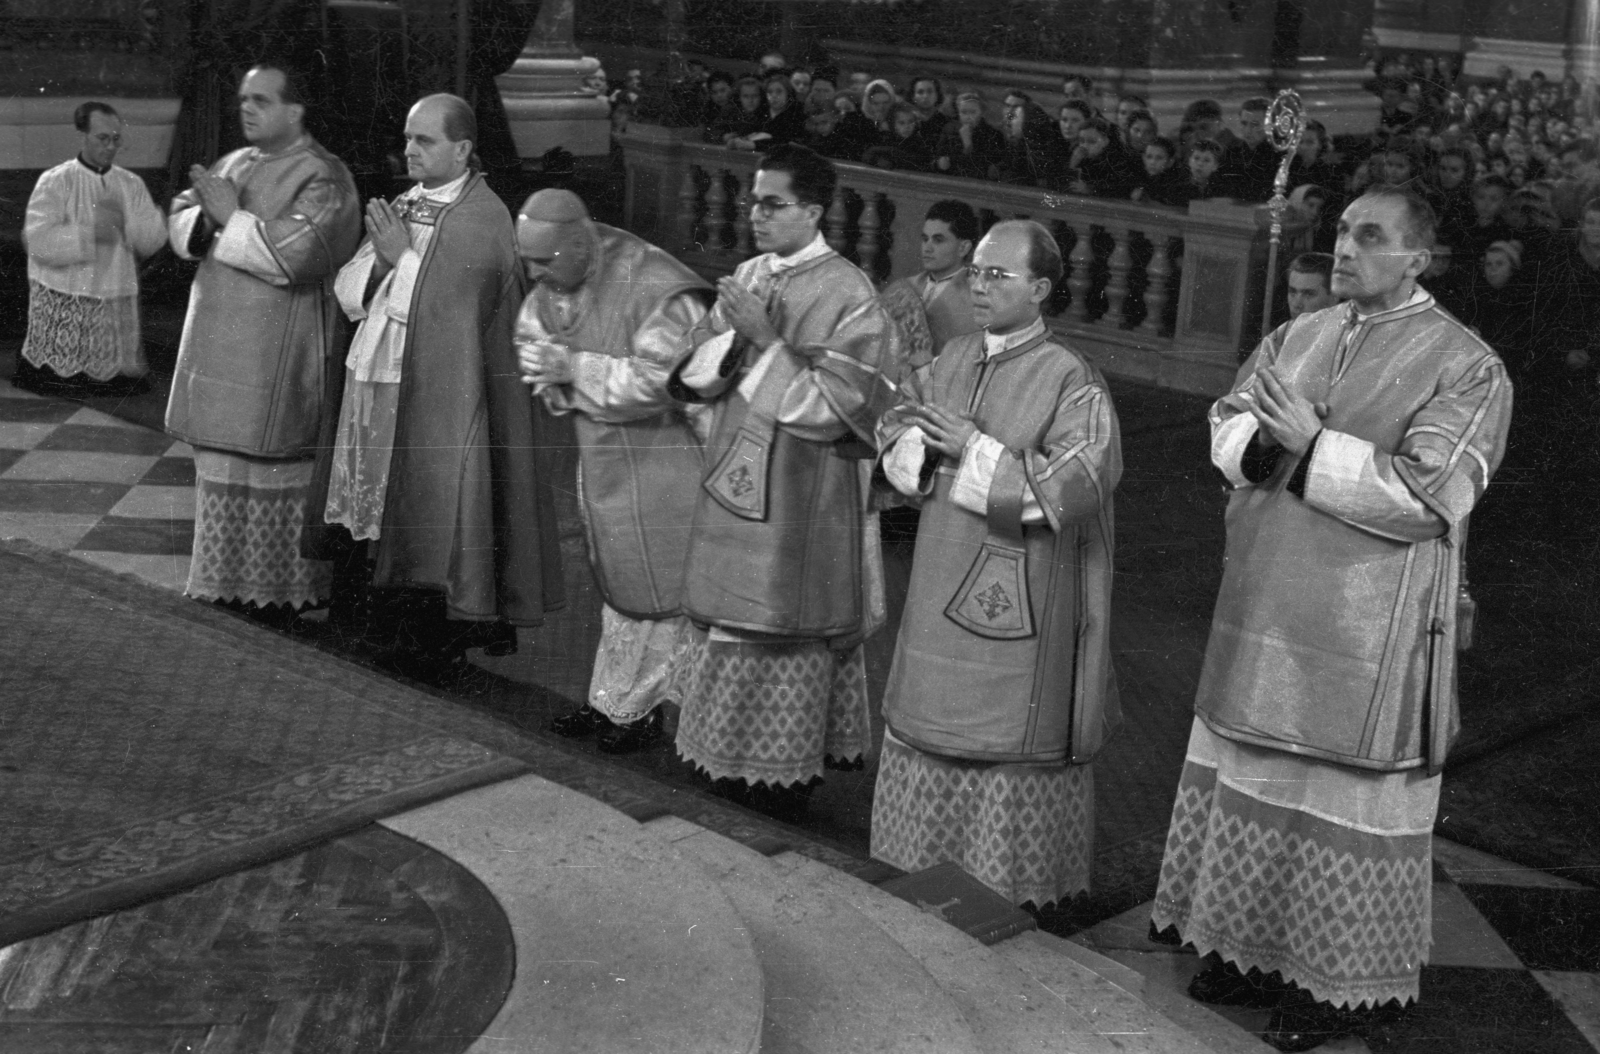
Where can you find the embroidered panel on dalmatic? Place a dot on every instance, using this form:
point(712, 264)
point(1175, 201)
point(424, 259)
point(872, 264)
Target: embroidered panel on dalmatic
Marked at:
point(83, 334)
point(1343, 912)
point(1025, 831)
point(248, 518)
point(770, 713)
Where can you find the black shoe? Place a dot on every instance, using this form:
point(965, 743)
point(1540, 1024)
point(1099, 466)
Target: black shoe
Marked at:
point(1300, 1022)
point(632, 736)
point(1221, 984)
point(579, 723)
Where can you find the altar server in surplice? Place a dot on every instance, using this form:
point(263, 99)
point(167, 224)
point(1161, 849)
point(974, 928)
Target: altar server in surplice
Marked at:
point(1001, 691)
point(598, 337)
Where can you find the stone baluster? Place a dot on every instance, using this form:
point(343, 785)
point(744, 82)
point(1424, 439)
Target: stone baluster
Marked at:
point(1078, 264)
point(688, 209)
point(1117, 280)
point(834, 221)
point(717, 211)
point(867, 243)
point(1158, 272)
point(744, 242)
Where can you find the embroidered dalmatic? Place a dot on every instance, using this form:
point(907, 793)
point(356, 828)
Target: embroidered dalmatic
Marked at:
point(1300, 837)
point(639, 455)
point(783, 562)
point(83, 295)
point(1001, 691)
point(248, 391)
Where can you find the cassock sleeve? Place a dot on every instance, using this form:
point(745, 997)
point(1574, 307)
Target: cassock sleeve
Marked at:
point(1428, 486)
point(144, 228)
point(1069, 478)
point(295, 247)
point(351, 284)
point(616, 389)
point(188, 231)
point(50, 233)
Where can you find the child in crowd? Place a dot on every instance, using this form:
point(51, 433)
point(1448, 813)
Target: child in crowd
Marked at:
point(970, 146)
point(901, 146)
point(1163, 183)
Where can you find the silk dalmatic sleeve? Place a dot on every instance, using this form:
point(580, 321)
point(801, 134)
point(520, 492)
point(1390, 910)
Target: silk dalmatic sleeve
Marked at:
point(1067, 479)
point(849, 381)
point(297, 247)
point(616, 389)
point(1429, 485)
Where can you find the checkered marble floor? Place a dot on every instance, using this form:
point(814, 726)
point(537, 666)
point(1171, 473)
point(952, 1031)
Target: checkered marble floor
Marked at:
point(112, 493)
point(1516, 957)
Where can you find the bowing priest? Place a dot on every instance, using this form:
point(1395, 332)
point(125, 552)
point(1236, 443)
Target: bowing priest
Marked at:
point(1299, 851)
point(797, 361)
point(433, 460)
point(271, 224)
point(597, 338)
point(1001, 691)
point(89, 223)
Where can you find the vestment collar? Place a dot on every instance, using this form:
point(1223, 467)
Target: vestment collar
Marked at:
point(1000, 343)
point(442, 195)
point(1419, 300)
point(818, 247)
point(96, 169)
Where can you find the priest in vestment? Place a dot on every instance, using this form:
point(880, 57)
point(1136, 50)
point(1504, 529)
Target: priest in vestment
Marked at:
point(598, 336)
point(89, 223)
point(940, 291)
point(433, 461)
point(1299, 854)
point(797, 360)
point(271, 224)
point(1001, 691)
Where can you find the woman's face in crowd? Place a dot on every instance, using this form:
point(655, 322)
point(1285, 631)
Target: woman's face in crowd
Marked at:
point(905, 125)
point(1156, 160)
point(1497, 268)
point(777, 95)
point(1396, 168)
point(1140, 134)
point(1071, 122)
point(969, 112)
point(801, 80)
point(877, 106)
point(925, 96)
point(1092, 142)
point(750, 97)
point(1310, 147)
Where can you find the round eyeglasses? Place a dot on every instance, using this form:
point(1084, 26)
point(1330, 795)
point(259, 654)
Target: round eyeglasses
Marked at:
point(767, 207)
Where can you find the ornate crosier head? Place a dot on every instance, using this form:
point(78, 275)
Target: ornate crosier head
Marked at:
point(1285, 121)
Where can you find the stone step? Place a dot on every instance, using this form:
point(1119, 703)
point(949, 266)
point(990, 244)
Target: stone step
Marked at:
point(1016, 1002)
point(622, 945)
point(835, 982)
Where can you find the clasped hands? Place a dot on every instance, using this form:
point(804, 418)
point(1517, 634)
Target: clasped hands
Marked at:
point(745, 313)
point(1286, 418)
point(942, 430)
point(390, 239)
point(544, 362)
point(219, 198)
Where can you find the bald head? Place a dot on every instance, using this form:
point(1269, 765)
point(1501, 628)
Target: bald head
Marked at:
point(440, 133)
point(556, 239)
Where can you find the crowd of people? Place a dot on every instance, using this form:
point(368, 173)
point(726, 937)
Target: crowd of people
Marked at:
point(366, 388)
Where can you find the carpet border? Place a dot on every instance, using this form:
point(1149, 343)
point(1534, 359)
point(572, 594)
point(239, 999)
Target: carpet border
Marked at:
point(131, 892)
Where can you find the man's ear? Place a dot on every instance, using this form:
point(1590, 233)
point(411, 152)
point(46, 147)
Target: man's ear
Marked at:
point(1419, 263)
point(297, 114)
point(966, 249)
point(1039, 290)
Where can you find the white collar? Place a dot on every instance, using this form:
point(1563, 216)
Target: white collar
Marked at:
point(932, 281)
point(445, 194)
point(818, 247)
point(995, 343)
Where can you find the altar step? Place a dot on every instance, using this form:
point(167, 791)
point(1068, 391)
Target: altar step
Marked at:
point(667, 938)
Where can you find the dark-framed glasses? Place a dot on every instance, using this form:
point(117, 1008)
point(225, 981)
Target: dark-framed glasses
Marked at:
point(767, 207)
point(988, 274)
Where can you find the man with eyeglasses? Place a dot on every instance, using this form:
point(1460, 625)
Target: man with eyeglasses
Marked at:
point(89, 223)
point(1001, 691)
point(597, 338)
point(798, 361)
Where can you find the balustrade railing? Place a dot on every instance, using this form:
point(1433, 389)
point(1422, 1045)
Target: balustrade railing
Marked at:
point(1152, 293)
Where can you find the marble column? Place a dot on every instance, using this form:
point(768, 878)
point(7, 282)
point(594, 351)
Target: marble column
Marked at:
point(544, 94)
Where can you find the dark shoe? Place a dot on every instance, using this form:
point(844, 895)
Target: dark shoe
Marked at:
point(1300, 1022)
point(788, 802)
point(581, 722)
point(632, 736)
point(1221, 984)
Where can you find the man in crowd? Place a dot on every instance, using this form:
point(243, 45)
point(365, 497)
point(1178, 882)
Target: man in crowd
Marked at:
point(1310, 282)
point(1248, 160)
point(1002, 691)
point(1327, 700)
point(797, 360)
point(271, 224)
point(939, 294)
point(597, 337)
point(433, 460)
point(89, 223)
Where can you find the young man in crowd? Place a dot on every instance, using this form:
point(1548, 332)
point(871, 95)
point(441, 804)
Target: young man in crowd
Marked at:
point(1310, 284)
point(1002, 691)
point(940, 293)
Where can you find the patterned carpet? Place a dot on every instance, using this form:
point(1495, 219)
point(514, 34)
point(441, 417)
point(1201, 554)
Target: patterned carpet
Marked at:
point(148, 743)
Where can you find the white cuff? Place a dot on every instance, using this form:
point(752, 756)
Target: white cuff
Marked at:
point(180, 229)
point(401, 283)
point(1341, 471)
point(1228, 443)
point(979, 462)
point(903, 463)
point(703, 370)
